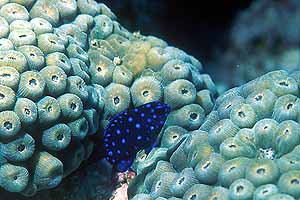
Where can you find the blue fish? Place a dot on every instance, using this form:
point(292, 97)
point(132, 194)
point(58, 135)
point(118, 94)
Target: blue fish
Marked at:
point(133, 130)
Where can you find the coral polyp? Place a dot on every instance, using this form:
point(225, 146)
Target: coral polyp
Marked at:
point(249, 143)
point(66, 67)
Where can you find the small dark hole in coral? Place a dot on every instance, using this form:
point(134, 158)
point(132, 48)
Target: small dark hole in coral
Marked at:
point(232, 146)
point(258, 97)
point(21, 147)
point(193, 197)
point(49, 109)
point(292, 162)
point(123, 73)
point(99, 69)
point(184, 91)
point(32, 54)
point(5, 75)
point(286, 131)
point(62, 60)
point(27, 111)
point(60, 136)
point(265, 191)
point(73, 106)
point(239, 188)
point(181, 180)
point(295, 181)
point(116, 100)
point(241, 114)
point(284, 83)
point(289, 106)
point(176, 67)
point(54, 78)
point(32, 82)
point(231, 168)
point(193, 116)
point(22, 36)
point(265, 127)
point(2, 96)
point(52, 41)
point(145, 93)
point(143, 157)
point(14, 12)
point(195, 154)
point(228, 106)
point(12, 58)
point(15, 178)
point(8, 125)
point(175, 136)
point(206, 165)
point(261, 171)
point(158, 184)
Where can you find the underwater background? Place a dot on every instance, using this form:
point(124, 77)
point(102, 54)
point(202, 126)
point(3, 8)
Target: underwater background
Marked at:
point(149, 100)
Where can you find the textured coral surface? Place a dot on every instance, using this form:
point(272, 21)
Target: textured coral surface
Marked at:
point(247, 148)
point(66, 67)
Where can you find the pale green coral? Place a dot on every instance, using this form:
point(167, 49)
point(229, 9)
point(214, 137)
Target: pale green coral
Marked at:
point(37, 112)
point(249, 144)
point(66, 67)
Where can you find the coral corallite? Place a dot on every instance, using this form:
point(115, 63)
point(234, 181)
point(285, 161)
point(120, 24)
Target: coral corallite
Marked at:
point(66, 67)
point(247, 148)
